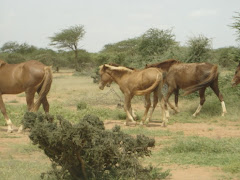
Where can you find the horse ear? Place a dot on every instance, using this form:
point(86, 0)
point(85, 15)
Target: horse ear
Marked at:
point(2, 63)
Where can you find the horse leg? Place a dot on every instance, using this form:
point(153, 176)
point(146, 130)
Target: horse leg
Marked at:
point(176, 93)
point(215, 89)
point(164, 114)
point(163, 105)
point(30, 99)
point(147, 106)
point(30, 103)
point(4, 112)
point(155, 101)
point(127, 106)
point(169, 93)
point(202, 100)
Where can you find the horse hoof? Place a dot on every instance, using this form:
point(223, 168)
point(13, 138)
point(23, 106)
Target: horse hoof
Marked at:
point(126, 124)
point(164, 124)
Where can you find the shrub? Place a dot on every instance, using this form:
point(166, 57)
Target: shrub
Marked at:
point(87, 151)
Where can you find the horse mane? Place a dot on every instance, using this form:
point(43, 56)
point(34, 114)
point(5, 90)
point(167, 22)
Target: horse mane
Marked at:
point(118, 68)
point(118, 65)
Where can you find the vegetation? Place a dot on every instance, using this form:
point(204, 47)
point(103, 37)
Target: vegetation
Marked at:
point(236, 24)
point(152, 46)
point(69, 91)
point(87, 151)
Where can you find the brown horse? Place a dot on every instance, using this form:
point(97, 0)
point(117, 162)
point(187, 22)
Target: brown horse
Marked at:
point(134, 82)
point(165, 66)
point(106, 80)
point(236, 77)
point(193, 77)
point(29, 77)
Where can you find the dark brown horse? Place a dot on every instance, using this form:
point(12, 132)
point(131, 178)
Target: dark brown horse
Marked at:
point(134, 82)
point(236, 77)
point(29, 77)
point(192, 77)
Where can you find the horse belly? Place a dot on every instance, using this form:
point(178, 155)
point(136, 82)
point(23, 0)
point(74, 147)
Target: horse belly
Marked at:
point(12, 90)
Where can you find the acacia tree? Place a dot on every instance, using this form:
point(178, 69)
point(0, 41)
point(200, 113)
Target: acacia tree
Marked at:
point(69, 39)
point(236, 25)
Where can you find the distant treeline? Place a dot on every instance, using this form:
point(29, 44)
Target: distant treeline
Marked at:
point(154, 45)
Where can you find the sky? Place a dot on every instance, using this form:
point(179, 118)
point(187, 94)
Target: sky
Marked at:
point(111, 21)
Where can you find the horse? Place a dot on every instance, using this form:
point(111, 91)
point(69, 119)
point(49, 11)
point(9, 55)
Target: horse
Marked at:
point(236, 77)
point(135, 82)
point(164, 66)
point(192, 77)
point(29, 77)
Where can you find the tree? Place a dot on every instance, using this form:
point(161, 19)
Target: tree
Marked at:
point(236, 25)
point(156, 42)
point(199, 47)
point(10, 47)
point(128, 47)
point(14, 47)
point(69, 39)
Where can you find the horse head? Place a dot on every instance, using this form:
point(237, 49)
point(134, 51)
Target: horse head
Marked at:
point(105, 72)
point(105, 78)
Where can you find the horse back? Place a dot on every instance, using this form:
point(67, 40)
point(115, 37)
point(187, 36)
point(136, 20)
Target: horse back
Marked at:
point(143, 79)
point(184, 75)
point(16, 78)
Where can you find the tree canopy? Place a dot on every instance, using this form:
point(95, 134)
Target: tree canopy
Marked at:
point(236, 24)
point(69, 39)
point(156, 41)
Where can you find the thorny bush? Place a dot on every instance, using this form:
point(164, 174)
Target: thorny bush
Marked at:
point(87, 151)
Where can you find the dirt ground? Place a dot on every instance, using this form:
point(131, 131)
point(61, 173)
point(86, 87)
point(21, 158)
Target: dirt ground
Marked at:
point(183, 172)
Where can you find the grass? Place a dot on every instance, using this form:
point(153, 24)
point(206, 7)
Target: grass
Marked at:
point(172, 147)
point(224, 153)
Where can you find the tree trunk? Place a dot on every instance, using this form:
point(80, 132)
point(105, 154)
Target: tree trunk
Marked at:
point(76, 60)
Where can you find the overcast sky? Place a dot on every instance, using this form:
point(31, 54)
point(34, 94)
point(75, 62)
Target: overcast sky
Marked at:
point(110, 21)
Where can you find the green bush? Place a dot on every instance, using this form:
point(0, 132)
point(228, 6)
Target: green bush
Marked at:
point(87, 151)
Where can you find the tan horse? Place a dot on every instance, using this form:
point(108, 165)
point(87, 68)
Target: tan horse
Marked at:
point(193, 77)
point(236, 77)
point(29, 77)
point(106, 80)
point(135, 82)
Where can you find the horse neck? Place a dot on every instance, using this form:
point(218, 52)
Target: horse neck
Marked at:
point(165, 66)
point(118, 75)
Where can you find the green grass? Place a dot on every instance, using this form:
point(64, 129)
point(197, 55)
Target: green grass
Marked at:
point(12, 169)
point(224, 153)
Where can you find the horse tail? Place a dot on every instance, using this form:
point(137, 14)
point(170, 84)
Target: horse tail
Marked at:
point(45, 87)
point(151, 88)
point(213, 75)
